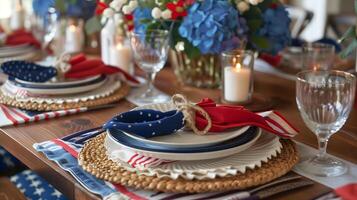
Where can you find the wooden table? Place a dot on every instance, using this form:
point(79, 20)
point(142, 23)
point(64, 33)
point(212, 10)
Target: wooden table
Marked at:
point(19, 140)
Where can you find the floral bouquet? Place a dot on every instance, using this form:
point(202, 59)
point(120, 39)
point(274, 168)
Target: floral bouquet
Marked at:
point(201, 28)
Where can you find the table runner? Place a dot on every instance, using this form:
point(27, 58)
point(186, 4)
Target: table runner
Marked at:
point(14, 116)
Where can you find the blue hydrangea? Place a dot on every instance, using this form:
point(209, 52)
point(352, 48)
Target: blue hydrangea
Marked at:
point(140, 14)
point(210, 25)
point(81, 8)
point(276, 28)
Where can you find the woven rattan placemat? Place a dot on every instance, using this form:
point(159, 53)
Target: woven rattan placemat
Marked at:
point(94, 160)
point(115, 96)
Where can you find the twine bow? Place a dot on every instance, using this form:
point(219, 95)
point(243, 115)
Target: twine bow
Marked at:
point(62, 64)
point(189, 113)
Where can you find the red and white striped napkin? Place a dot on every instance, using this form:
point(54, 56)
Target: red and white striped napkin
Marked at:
point(14, 116)
point(274, 123)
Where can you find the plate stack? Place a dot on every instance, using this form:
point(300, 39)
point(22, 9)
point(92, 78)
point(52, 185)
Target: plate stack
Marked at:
point(19, 52)
point(59, 95)
point(186, 162)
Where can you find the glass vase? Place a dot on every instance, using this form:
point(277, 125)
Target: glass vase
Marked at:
point(203, 71)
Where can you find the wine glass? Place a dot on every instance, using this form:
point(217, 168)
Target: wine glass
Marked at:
point(325, 99)
point(318, 56)
point(150, 49)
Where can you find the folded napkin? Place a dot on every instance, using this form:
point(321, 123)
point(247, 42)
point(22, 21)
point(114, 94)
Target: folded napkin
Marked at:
point(149, 123)
point(28, 71)
point(346, 192)
point(79, 67)
point(14, 116)
point(82, 67)
point(21, 36)
point(64, 152)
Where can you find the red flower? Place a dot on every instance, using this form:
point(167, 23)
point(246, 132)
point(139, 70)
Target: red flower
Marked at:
point(129, 22)
point(101, 6)
point(274, 6)
point(177, 9)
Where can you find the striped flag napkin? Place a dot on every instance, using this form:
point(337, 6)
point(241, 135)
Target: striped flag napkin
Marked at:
point(14, 116)
point(64, 152)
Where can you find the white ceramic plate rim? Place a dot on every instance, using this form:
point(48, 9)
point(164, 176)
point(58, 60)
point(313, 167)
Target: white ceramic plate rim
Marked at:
point(233, 134)
point(73, 82)
point(186, 156)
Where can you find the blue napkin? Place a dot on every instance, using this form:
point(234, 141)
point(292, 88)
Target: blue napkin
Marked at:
point(28, 71)
point(147, 123)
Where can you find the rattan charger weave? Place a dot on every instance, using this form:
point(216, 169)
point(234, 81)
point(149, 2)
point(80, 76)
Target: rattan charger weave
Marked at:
point(115, 96)
point(94, 160)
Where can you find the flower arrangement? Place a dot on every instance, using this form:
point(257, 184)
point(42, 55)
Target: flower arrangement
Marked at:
point(201, 27)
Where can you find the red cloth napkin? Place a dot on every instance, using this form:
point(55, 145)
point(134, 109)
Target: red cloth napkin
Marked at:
point(81, 67)
point(347, 192)
point(273, 60)
point(226, 117)
point(22, 37)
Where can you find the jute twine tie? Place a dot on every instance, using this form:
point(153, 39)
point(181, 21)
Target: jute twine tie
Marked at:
point(62, 65)
point(189, 113)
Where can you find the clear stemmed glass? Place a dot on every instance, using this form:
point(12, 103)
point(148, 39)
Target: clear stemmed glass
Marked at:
point(318, 56)
point(325, 99)
point(150, 49)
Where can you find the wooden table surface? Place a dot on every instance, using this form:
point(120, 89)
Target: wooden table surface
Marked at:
point(19, 140)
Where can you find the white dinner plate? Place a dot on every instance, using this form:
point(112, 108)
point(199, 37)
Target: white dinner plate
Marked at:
point(112, 144)
point(185, 138)
point(69, 83)
point(54, 91)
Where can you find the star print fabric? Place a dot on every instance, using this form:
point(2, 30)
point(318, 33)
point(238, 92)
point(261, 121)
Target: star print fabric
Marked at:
point(28, 71)
point(34, 187)
point(7, 161)
point(147, 123)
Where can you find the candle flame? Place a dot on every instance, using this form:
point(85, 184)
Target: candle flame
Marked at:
point(238, 66)
point(72, 28)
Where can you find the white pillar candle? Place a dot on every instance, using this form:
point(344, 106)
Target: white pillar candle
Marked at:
point(236, 83)
point(107, 35)
point(74, 39)
point(120, 56)
point(17, 19)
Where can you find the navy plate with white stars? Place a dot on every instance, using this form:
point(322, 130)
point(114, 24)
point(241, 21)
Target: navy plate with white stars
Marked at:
point(147, 123)
point(28, 71)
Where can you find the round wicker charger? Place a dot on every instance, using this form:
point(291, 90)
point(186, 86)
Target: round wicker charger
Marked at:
point(94, 160)
point(117, 95)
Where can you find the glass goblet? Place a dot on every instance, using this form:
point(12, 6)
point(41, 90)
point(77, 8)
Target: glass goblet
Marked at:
point(318, 56)
point(325, 99)
point(150, 49)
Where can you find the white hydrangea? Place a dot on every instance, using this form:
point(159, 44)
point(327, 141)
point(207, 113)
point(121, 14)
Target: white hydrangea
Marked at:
point(108, 13)
point(242, 6)
point(156, 13)
point(116, 5)
point(126, 9)
point(166, 14)
point(180, 46)
point(133, 4)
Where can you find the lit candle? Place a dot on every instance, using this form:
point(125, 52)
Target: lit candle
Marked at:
point(121, 56)
point(74, 39)
point(237, 83)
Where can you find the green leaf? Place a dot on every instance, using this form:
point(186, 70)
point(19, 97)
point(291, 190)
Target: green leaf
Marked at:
point(93, 25)
point(60, 5)
point(145, 21)
point(253, 13)
point(254, 24)
point(351, 47)
point(351, 32)
point(260, 41)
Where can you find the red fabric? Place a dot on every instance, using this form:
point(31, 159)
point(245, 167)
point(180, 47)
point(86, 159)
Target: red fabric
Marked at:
point(22, 37)
point(81, 67)
point(101, 6)
point(347, 192)
point(271, 59)
point(225, 117)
